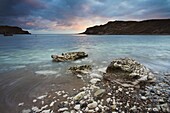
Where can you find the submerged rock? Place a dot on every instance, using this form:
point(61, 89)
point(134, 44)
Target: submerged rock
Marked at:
point(83, 69)
point(129, 69)
point(70, 56)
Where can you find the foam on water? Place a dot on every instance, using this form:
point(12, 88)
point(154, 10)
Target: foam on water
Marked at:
point(18, 67)
point(46, 72)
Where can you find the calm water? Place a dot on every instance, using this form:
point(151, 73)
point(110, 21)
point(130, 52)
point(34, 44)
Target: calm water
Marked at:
point(34, 51)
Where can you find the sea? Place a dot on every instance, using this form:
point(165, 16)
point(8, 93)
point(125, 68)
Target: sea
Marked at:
point(34, 52)
point(28, 72)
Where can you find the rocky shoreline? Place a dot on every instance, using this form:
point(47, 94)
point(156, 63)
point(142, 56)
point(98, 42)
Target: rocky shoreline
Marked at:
point(125, 86)
point(145, 27)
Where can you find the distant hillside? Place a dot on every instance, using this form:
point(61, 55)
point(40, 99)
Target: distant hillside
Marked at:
point(10, 30)
point(146, 27)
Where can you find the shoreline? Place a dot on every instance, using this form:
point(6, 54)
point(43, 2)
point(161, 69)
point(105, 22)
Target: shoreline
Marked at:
point(21, 88)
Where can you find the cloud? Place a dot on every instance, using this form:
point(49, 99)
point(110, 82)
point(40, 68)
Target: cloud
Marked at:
point(59, 15)
point(14, 8)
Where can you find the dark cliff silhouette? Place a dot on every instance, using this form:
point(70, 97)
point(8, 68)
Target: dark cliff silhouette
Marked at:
point(146, 27)
point(10, 30)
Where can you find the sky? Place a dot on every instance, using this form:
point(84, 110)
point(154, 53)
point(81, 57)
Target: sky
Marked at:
point(74, 16)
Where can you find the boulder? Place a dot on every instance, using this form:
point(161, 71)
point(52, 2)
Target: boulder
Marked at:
point(128, 69)
point(70, 56)
point(83, 69)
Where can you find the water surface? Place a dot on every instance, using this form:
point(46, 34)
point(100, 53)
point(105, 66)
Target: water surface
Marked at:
point(34, 51)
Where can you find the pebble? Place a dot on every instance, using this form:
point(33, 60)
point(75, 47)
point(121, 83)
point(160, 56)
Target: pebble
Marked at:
point(79, 76)
point(66, 112)
point(79, 96)
point(127, 93)
point(92, 105)
point(42, 102)
point(62, 109)
point(143, 97)
point(85, 97)
point(120, 89)
point(108, 100)
point(77, 107)
point(91, 111)
point(36, 109)
point(52, 103)
point(34, 101)
point(72, 102)
point(96, 109)
point(44, 107)
point(109, 94)
point(72, 111)
point(21, 104)
point(161, 101)
point(133, 108)
point(99, 92)
point(41, 97)
point(65, 95)
point(26, 111)
point(113, 106)
point(46, 111)
point(155, 109)
point(165, 107)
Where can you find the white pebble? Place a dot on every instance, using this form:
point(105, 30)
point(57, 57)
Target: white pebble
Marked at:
point(62, 109)
point(65, 95)
point(109, 94)
point(120, 89)
point(36, 109)
point(96, 109)
point(52, 103)
point(77, 107)
point(41, 97)
point(108, 100)
point(21, 104)
point(34, 100)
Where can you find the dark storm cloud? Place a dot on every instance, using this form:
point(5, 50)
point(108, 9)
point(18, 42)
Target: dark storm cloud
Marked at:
point(19, 7)
point(45, 14)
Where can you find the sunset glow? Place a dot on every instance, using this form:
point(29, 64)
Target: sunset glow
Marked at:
point(76, 15)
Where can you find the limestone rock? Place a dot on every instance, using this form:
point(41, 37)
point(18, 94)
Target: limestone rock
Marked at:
point(70, 56)
point(128, 69)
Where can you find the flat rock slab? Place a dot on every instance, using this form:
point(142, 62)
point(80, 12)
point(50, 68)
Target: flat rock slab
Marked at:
point(70, 56)
point(129, 69)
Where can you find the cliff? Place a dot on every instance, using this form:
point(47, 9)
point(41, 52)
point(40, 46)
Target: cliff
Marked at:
point(146, 27)
point(10, 30)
